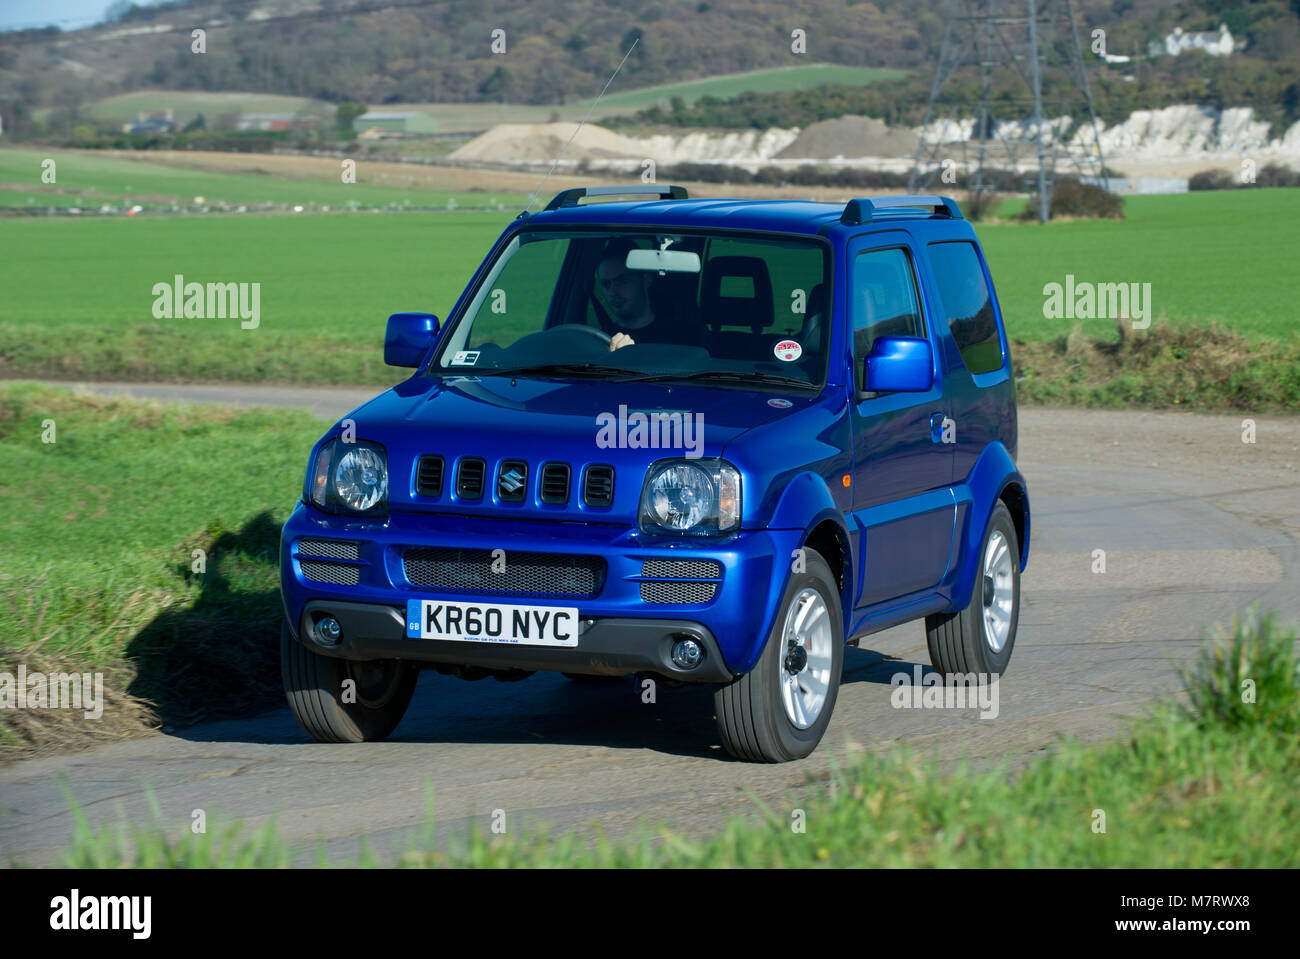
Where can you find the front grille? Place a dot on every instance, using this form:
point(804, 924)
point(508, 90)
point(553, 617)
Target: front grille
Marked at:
point(598, 485)
point(678, 592)
point(703, 572)
point(554, 488)
point(329, 548)
point(335, 573)
point(469, 480)
point(682, 568)
point(428, 476)
point(522, 573)
point(512, 481)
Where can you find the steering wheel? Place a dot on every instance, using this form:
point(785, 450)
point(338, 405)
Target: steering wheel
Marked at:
point(582, 328)
point(567, 329)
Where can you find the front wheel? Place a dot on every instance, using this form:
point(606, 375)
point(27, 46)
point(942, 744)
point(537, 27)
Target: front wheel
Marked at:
point(780, 709)
point(340, 701)
point(979, 639)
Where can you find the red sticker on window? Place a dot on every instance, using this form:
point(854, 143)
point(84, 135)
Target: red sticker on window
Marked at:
point(787, 351)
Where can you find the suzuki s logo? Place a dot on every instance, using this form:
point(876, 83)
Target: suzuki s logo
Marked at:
point(512, 480)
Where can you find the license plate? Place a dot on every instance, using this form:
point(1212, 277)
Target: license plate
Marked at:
point(492, 623)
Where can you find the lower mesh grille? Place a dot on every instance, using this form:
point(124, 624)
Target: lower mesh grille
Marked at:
point(328, 548)
point(525, 574)
point(705, 572)
point(336, 573)
point(678, 592)
point(682, 568)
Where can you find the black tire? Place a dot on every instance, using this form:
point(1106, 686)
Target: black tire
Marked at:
point(752, 718)
point(959, 642)
point(313, 684)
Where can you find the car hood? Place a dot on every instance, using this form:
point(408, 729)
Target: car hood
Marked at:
point(626, 426)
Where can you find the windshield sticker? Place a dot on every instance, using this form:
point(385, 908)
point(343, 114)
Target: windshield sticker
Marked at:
point(787, 351)
point(465, 358)
point(777, 403)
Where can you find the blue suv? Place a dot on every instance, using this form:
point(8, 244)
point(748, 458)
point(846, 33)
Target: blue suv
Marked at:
point(699, 441)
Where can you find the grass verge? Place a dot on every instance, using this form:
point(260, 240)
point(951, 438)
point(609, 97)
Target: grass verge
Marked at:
point(158, 354)
point(1209, 783)
point(1204, 368)
point(102, 533)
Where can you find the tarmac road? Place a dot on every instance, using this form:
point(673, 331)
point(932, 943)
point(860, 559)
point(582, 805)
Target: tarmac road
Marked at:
point(1195, 524)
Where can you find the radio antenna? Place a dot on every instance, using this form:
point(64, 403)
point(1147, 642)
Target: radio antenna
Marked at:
point(591, 108)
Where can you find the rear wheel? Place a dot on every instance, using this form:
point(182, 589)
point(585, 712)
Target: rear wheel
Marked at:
point(979, 639)
point(340, 701)
point(780, 709)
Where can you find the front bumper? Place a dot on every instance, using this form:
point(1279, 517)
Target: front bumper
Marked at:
point(621, 632)
point(606, 647)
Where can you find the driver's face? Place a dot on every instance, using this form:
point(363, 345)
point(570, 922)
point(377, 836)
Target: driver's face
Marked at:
point(624, 289)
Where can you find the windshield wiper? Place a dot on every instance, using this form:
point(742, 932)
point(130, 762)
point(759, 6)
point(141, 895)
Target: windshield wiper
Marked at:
point(557, 369)
point(744, 376)
point(634, 376)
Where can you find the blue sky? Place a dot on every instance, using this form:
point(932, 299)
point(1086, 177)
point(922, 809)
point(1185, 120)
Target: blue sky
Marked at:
point(65, 14)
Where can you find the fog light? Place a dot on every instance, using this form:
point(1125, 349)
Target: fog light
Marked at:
point(687, 654)
point(329, 630)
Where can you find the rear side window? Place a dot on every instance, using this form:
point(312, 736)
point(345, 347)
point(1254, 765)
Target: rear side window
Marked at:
point(883, 301)
point(967, 304)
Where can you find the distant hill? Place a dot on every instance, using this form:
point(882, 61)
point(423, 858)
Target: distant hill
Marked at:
point(555, 51)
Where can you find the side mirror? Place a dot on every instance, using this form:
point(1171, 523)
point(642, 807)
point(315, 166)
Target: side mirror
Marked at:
point(898, 364)
point(408, 336)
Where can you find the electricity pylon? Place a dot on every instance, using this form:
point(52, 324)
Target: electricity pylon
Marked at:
point(1033, 110)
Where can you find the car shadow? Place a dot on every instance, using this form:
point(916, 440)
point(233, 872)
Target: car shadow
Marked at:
point(219, 655)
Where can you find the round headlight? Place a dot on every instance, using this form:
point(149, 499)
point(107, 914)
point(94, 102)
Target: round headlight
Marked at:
point(361, 479)
point(681, 496)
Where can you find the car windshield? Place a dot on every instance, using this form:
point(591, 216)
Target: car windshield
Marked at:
point(736, 309)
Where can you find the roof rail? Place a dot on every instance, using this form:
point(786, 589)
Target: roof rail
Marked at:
point(861, 211)
point(571, 197)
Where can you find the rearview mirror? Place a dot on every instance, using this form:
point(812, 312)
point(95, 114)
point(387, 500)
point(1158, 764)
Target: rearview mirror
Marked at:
point(663, 261)
point(408, 336)
point(898, 364)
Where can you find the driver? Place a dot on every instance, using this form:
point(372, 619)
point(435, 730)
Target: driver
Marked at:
point(627, 292)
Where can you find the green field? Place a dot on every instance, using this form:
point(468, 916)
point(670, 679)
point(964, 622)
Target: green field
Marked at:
point(773, 80)
point(1226, 256)
point(1222, 256)
point(89, 181)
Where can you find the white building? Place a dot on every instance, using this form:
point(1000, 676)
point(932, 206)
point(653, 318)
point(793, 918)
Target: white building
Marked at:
point(1219, 44)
